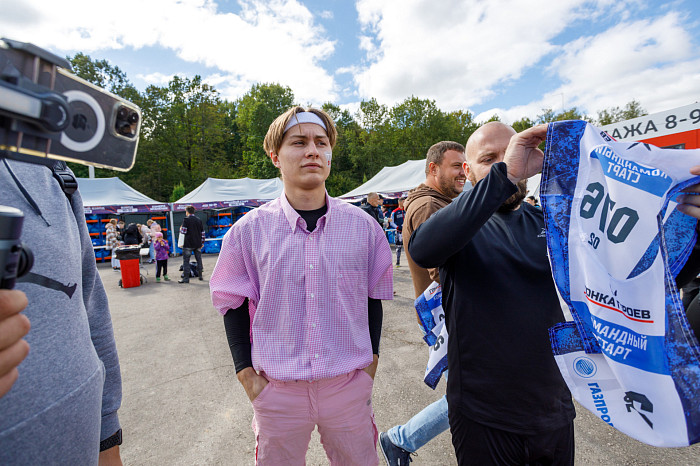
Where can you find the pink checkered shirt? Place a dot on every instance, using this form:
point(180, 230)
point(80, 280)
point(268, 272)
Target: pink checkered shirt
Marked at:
point(307, 291)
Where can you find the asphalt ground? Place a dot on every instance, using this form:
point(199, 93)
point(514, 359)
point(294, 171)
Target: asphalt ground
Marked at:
point(182, 403)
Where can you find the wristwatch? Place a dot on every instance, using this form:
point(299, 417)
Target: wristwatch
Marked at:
point(112, 441)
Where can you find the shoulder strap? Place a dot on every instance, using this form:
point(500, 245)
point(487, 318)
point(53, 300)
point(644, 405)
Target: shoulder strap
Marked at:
point(66, 178)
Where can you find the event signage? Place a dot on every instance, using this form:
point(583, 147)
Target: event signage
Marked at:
point(616, 243)
point(221, 204)
point(678, 120)
point(126, 209)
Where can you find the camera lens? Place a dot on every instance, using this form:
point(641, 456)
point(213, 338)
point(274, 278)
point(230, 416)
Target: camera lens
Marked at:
point(124, 128)
point(133, 118)
point(123, 113)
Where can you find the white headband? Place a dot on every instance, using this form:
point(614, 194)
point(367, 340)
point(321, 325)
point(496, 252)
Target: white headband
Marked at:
point(304, 117)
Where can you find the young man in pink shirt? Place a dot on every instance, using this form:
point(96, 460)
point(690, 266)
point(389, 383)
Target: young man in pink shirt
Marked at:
point(299, 282)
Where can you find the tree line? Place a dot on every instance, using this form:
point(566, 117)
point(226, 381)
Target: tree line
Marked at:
point(189, 133)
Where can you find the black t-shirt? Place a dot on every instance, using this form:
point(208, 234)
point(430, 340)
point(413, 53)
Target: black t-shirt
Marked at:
point(193, 229)
point(131, 235)
point(374, 212)
point(500, 301)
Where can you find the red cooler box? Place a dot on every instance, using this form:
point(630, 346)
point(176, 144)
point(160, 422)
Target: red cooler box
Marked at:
point(129, 262)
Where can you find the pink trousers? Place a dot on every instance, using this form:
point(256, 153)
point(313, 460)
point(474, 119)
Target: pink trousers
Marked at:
point(285, 414)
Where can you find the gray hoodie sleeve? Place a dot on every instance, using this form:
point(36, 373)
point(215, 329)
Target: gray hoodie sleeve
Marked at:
point(100, 321)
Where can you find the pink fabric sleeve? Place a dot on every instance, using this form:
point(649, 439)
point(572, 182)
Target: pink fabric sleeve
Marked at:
point(231, 281)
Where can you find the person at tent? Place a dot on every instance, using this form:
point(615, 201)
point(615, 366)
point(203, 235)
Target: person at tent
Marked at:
point(131, 235)
point(162, 252)
point(154, 227)
point(373, 209)
point(444, 180)
point(120, 230)
point(193, 229)
point(146, 239)
point(299, 281)
point(508, 400)
point(396, 222)
point(111, 241)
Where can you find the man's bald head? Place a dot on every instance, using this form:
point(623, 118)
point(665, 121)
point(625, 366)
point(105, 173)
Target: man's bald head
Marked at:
point(493, 135)
point(486, 146)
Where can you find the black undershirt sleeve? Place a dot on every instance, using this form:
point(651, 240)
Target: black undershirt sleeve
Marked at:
point(376, 314)
point(237, 324)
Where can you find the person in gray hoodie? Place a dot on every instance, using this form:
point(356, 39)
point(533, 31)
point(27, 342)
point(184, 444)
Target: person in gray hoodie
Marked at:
point(62, 408)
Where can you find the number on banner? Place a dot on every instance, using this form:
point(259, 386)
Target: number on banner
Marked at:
point(623, 217)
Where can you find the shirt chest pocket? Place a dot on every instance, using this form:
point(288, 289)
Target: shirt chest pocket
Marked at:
point(350, 297)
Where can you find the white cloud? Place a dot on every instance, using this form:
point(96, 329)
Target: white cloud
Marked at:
point(157, 79)
point(652, 61)
point(464, 53)
point(269, 41)
point(457, 52)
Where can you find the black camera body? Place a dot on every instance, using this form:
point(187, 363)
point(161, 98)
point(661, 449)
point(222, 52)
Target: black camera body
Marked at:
point(15, 259)
point(48, 114)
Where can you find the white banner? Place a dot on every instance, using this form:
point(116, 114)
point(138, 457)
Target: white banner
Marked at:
point(616, 243)
point(432, 321)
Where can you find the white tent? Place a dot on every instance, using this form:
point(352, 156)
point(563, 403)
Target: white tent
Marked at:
point(217, 193)
point(113, 196)
point(392, 181)
point(396, 181)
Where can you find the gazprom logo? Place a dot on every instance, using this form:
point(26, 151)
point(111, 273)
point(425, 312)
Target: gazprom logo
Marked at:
point(585, 367)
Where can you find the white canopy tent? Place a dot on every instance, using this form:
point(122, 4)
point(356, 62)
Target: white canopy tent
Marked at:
point(396, 181)
point(113, 196)
point(391, 181)
point(216, 193)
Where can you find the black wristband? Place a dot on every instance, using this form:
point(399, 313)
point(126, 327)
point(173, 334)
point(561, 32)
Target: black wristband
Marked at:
point(112, 441)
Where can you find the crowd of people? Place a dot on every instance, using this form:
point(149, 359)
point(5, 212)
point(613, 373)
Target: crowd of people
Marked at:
point(304, 325)
point(150, 235)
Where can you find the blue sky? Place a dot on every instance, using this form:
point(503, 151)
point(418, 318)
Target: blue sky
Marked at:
point(509, 57)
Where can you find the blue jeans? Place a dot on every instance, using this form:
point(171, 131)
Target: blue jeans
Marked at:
point(186, 253)
point(423, 427)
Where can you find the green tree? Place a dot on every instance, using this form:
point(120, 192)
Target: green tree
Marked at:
point(343, 177)
point(255, 112)
point(523, 124)
point(632, 109)
point(186, 131)
point(178, 192)
point(548, 116)
point(104, 75)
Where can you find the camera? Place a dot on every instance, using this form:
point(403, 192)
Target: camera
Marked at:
point(15, 259)
point(47, 114)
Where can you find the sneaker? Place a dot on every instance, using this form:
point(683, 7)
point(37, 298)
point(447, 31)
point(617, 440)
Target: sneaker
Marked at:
point(398, 265)
point(183, 281)
point(165, 277)
point(201, 278)
point(393, 455)
point(157, 279)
